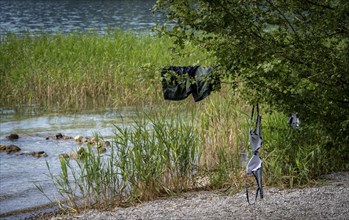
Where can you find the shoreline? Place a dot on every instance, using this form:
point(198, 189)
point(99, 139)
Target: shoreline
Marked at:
point(31, 212)
point(329, 199)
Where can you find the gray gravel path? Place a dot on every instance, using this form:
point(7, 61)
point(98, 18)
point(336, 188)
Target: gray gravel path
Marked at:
point(330, 201)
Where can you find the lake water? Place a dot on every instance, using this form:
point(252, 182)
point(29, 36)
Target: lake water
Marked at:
point(76, 15)
point(17, 173)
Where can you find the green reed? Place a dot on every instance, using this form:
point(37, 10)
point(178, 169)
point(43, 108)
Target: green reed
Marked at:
point(222, 127)
point(91, 181)
point(87, 70)
point(155, 155)
point(177, 146)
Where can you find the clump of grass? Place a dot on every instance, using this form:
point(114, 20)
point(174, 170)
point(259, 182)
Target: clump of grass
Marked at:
point(74, 71)
point(153, 156)
point(157, 155)
point(91, 181)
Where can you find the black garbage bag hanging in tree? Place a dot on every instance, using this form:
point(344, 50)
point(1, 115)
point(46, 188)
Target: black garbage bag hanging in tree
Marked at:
point(178, 82)
point(254, 165)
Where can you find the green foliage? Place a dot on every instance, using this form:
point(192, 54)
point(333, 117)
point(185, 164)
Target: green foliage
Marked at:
point(294, 157)
point(292, 55)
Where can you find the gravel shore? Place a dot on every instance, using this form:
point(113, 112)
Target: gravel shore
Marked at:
point(330, 201)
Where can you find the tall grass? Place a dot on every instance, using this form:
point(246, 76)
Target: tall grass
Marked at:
point(91, 181)
point(87, 70)
point(296, 157)
point(155, 155)
point(222, 129)
point(164, 152)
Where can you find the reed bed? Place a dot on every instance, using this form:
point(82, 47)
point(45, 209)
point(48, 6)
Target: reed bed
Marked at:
point(222, 126)
point(180, 146)
point(153, 156)
point(168, 149)
point(74, 71)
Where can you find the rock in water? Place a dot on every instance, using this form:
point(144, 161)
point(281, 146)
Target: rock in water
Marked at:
point(59, 136)
point(40, 154)
point(36, 154)
point(2, 148)
point(10, 149)
point(12, 137)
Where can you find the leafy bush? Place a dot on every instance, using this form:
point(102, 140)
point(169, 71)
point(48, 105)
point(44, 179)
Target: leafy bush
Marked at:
point(292, 55)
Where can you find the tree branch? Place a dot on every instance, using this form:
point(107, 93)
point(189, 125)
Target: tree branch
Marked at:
point(235, 20)
point(284, 17)
point(322, 6)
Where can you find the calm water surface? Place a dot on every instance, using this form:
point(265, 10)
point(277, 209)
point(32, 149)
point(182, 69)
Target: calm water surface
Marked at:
point(76, 15)
point(17, 173)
